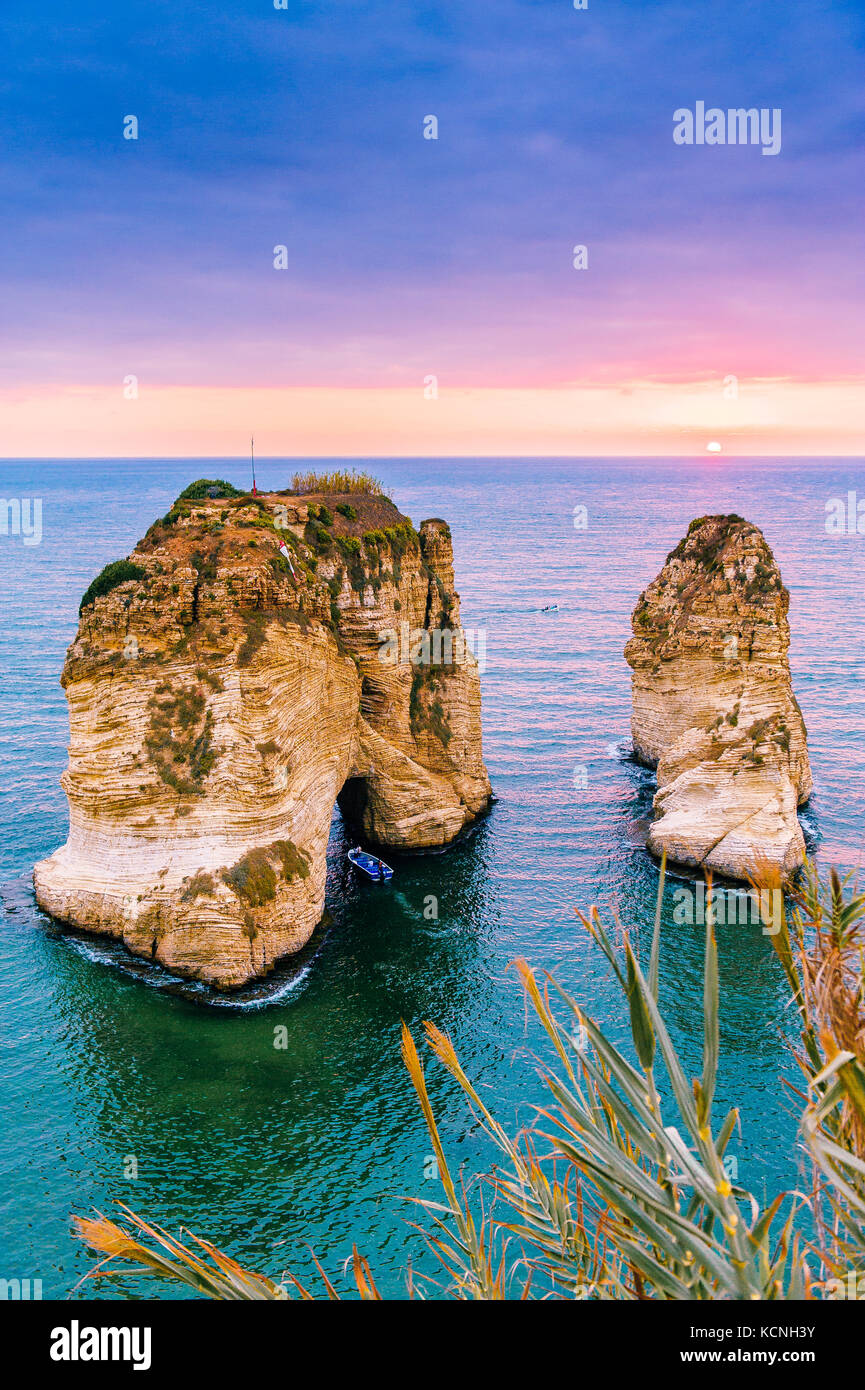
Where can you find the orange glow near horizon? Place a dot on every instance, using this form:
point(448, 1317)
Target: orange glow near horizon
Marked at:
point(640, 418)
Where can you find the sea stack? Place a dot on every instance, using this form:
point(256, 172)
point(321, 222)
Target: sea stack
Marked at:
point(713, 705)
point(224, 692)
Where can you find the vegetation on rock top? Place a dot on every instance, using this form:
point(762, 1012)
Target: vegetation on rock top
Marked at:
point(202, 486)
point(711, 551)
point(336, 481)
point(116, 573)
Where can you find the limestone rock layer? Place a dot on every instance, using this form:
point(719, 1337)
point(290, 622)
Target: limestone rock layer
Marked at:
point(713, 704)
point(219, 704)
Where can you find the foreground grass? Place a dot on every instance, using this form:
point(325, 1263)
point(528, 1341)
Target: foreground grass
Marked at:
point(610, 1194)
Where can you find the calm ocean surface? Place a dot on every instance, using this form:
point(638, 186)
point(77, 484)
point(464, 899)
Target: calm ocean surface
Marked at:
point(264, 1150)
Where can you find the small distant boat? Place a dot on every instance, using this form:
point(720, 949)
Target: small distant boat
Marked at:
point(369, 864)
point(551, 608)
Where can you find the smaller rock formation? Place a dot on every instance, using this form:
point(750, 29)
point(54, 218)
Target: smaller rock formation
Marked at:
point(713, 705)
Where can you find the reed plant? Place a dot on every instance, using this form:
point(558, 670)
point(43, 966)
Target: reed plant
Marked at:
point(822, 953)
point(337, 481)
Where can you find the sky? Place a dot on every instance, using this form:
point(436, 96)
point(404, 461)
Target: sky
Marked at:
point(429, 303)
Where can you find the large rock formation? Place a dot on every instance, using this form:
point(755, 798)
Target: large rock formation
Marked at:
point(219, 706)
point(713, 706)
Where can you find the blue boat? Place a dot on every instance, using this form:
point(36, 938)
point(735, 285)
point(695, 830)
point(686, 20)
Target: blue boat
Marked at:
point(369, 864)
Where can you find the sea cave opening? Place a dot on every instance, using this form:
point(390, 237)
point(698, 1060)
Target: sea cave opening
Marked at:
point(351, 801)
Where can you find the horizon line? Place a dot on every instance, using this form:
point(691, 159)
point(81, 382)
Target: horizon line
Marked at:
point(412, 458)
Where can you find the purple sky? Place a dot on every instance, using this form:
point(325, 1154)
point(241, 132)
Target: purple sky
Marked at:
point(408, 256)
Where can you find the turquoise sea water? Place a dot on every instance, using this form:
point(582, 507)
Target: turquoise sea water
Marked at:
point(263, 1150)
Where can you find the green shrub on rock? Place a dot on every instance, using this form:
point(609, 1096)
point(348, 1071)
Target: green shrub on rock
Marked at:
point(118, 572)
